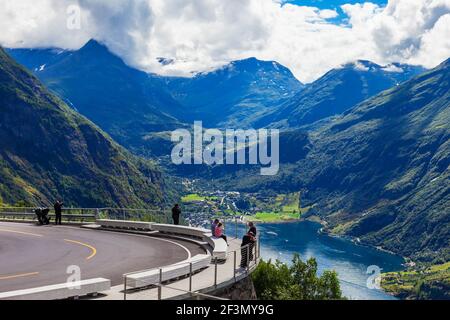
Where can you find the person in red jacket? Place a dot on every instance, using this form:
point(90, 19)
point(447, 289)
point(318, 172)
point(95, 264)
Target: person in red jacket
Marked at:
point(219, 232)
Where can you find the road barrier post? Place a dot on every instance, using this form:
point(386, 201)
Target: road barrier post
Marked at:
point(248, 257)
point(215, 272)
point(259, 245)
point(235, 226)
point(190, 277)
point(160, 285)
point(234, 264)
point(124, 287)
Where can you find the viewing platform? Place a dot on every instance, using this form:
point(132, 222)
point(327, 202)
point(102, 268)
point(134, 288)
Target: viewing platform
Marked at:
point(134, 260)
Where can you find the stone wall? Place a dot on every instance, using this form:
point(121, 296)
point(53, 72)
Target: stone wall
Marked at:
point(242, 290)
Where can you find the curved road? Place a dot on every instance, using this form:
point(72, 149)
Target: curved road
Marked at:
point(32, 256)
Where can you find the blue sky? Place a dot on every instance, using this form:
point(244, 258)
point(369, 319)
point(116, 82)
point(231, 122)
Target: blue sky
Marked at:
point(334, 5)
point(331, 4)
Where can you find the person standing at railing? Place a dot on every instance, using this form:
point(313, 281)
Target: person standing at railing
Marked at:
point(58, 211)
point(252, 228)
point(247, 244)
point(176, 212)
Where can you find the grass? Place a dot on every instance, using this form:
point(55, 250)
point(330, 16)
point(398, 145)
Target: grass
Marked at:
point(285, 207)
point(343, 227)
point(293, 208)
point(274, 217)
point(420, 284)
point(440, 267)
point(194, 197)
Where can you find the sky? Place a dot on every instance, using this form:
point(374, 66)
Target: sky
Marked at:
point(310, 37)
point(330, 4)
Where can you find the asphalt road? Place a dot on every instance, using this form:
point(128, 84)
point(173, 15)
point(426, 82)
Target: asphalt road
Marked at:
point(32, 256)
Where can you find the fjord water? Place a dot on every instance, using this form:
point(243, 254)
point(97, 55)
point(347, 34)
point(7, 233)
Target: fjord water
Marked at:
point(350, 261)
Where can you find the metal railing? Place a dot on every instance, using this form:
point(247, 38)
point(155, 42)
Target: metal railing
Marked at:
point(148, 215)
point(68, 214)
point(91, 214)
point(229, 272)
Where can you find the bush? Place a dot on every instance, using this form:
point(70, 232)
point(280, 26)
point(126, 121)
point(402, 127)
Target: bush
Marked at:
point(278, 281)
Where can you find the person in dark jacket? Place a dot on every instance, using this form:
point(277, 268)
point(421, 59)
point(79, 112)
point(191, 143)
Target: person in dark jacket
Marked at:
point(252, 228)
point(176, 212)
point(247, 244)
point(58, 211)
point(42, 215)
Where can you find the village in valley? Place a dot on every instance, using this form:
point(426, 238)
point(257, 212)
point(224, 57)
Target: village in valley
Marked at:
point(201, 206)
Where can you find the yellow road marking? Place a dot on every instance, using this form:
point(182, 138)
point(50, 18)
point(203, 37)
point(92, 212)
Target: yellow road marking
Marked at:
point(19, 275)
point(94, 251)
point(21, 232)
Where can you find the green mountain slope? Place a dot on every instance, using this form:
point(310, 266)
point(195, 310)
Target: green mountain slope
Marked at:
point(126, 103)
point(423, 283)
point(338, 91)
point(237, 94)
point(47, 150)
point(387, 163)
point(381, 171)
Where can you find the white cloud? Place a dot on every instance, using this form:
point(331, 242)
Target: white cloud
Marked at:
point(393, 68)
point(204, 34)
point(361, 67)
point(405, 30)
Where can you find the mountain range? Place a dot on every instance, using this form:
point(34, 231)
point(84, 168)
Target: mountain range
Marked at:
point(336, 92)
point(136, 108)
point(139, 109)
point(380, 172)
point(367, 144)
point(49, 151)
point(242, 94)
point(237, 94)
point(128, 104)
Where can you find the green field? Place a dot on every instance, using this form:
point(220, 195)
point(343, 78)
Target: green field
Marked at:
point(283, 207)
point(273, 217)
point(194, 197)
point(428, 283)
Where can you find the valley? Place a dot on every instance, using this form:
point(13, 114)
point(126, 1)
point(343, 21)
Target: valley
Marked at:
point(365, 148)
point(256, 207)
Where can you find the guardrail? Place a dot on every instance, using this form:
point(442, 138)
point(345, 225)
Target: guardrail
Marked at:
point(60, 291)
point(91, 214)
point(125, 225)
point(174, 271)
point(163, 216)
point(159, 278)
point(146, 215)
point(69, 214)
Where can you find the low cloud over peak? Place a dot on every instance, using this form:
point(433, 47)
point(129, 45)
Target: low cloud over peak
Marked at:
point(201, 35)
